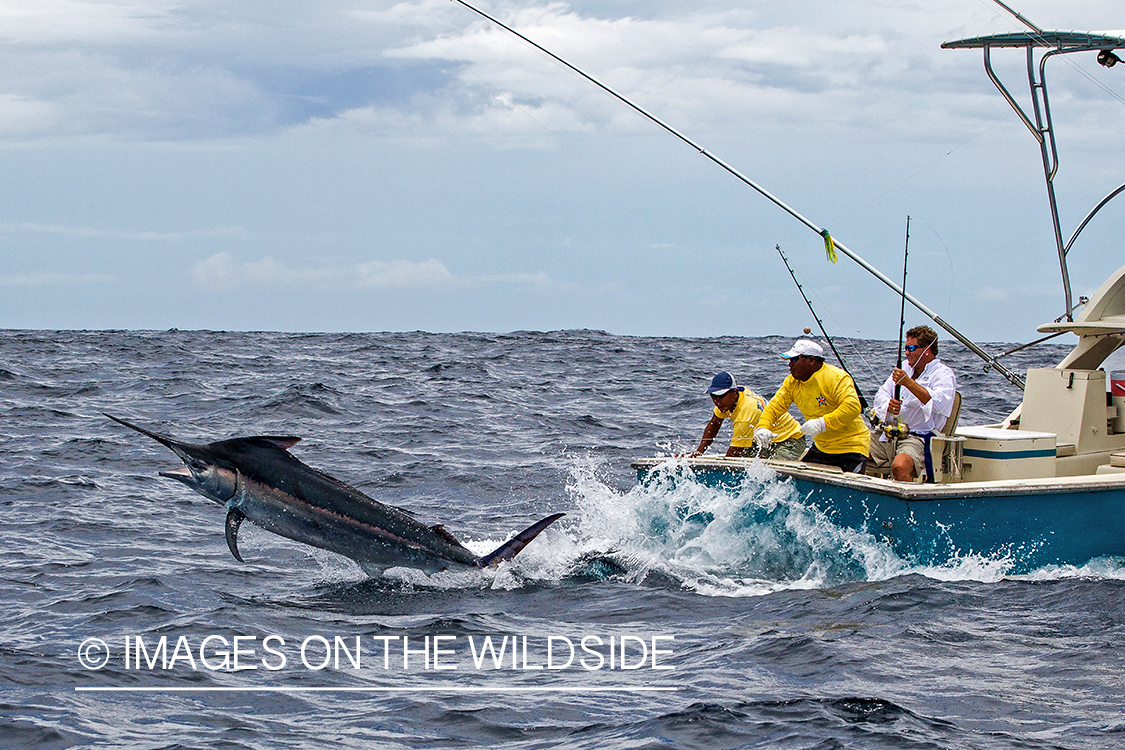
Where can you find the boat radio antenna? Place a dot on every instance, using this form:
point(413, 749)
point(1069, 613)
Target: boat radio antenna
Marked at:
point(831, 345)
point(1018, 16)
point(830, 242)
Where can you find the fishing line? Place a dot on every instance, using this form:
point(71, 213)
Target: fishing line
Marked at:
point(856, 350)
point(512, 102)
point(909, 179)
point(1084, 72)
point(966, 142)
point(831, 344)
point(831, 245)
point(1036, 30)
point(948, 260)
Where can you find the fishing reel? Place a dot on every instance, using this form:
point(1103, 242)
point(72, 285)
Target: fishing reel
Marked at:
point(895, 430)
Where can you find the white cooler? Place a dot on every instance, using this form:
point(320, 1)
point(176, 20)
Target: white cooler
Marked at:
point(992, 453)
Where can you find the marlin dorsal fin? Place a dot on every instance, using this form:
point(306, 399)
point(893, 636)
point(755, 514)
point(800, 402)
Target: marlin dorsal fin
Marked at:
point(439, 529)
point(285, 442)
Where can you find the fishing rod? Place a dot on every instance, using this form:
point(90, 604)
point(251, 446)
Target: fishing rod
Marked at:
point(831, 245)
point(831, 345)
point(898, 429)
point(1030, 344)
point(902, 308)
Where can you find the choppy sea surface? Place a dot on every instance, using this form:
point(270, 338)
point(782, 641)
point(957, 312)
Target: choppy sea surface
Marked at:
point(777, 632)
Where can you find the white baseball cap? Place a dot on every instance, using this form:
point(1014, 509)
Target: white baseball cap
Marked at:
point(806, 348)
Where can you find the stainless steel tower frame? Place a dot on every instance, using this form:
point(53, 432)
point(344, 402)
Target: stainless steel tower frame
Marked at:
point(1056, 43)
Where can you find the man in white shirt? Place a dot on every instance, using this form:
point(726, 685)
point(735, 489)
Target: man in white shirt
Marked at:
point(927, 392)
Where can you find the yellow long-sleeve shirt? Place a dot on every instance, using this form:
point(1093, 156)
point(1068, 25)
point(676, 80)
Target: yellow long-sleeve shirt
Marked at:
point(829, 393)
point(745, 415)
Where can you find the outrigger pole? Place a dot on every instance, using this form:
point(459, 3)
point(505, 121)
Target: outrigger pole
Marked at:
point(829, 241)
point(801, 289)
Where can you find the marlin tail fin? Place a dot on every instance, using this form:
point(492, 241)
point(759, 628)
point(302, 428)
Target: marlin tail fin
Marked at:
point(513, 546)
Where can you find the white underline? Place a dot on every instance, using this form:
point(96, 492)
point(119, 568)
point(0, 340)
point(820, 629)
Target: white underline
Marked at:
point(434, 689)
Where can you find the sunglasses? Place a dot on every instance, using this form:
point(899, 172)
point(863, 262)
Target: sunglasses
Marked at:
point(915, 347)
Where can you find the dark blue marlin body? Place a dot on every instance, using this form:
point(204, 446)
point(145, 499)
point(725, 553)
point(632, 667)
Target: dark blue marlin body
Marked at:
point(257, 479)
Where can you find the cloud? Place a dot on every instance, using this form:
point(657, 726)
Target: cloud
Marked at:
point(992, 294)
point(997, 294)
point(47, 22)
point(189, 70)
point(121, 234)
point(404, 274)
point(222, 272)
point(54, 279)
point(23, 115)
point(709, 67)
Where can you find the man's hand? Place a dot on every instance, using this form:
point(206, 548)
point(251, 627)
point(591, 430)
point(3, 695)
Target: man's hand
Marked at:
point(901, 378)
point(814, 427)
point(893, 407)
point(763, 437)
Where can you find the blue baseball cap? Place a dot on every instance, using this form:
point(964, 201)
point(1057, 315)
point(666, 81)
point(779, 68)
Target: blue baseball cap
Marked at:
point(720, 384)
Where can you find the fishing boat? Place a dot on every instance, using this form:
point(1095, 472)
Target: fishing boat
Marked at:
point(1046, 486)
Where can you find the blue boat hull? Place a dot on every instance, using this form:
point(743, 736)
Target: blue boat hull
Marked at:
point(1027, 525)
point(1030, 530)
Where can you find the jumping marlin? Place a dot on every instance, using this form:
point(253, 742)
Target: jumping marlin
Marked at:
point(256, 478)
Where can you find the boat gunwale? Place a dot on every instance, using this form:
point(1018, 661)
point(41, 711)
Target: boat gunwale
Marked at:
point(906, 491)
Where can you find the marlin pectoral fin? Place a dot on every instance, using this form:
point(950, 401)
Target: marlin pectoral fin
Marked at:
point(234, 520)
point(512, 547)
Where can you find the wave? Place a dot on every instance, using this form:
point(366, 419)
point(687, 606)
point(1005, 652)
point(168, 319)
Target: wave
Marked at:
point(306, 400)
point(750, 540)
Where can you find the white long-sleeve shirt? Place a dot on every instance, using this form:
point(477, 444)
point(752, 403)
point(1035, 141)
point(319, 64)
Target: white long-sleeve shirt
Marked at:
point(941, 383)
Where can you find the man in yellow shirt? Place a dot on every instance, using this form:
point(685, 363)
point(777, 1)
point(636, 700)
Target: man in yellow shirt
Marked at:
point(744, 408)
point(827, 398)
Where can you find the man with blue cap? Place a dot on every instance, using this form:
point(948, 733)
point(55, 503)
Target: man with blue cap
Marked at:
point(744, 409)
point(827, 398)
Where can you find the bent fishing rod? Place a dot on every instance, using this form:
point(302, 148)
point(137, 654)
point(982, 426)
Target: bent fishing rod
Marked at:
point(830, 244)
point(831, 345)
point(902, 307)
point(897, 429)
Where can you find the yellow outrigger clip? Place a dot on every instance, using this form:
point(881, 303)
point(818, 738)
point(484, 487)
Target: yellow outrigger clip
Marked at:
point(829, 245)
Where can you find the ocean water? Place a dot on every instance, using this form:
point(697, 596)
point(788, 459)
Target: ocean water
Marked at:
point(662, 616)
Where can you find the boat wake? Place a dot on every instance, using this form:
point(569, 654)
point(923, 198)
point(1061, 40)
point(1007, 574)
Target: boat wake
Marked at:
point(751, 539)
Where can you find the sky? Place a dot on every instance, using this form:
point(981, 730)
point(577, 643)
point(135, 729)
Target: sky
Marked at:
point(361, 165)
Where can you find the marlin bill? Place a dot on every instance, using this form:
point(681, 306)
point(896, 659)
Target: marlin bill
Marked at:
point(257, 479)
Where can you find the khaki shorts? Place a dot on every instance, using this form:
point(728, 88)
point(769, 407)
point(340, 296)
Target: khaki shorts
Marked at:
point(881, 455)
